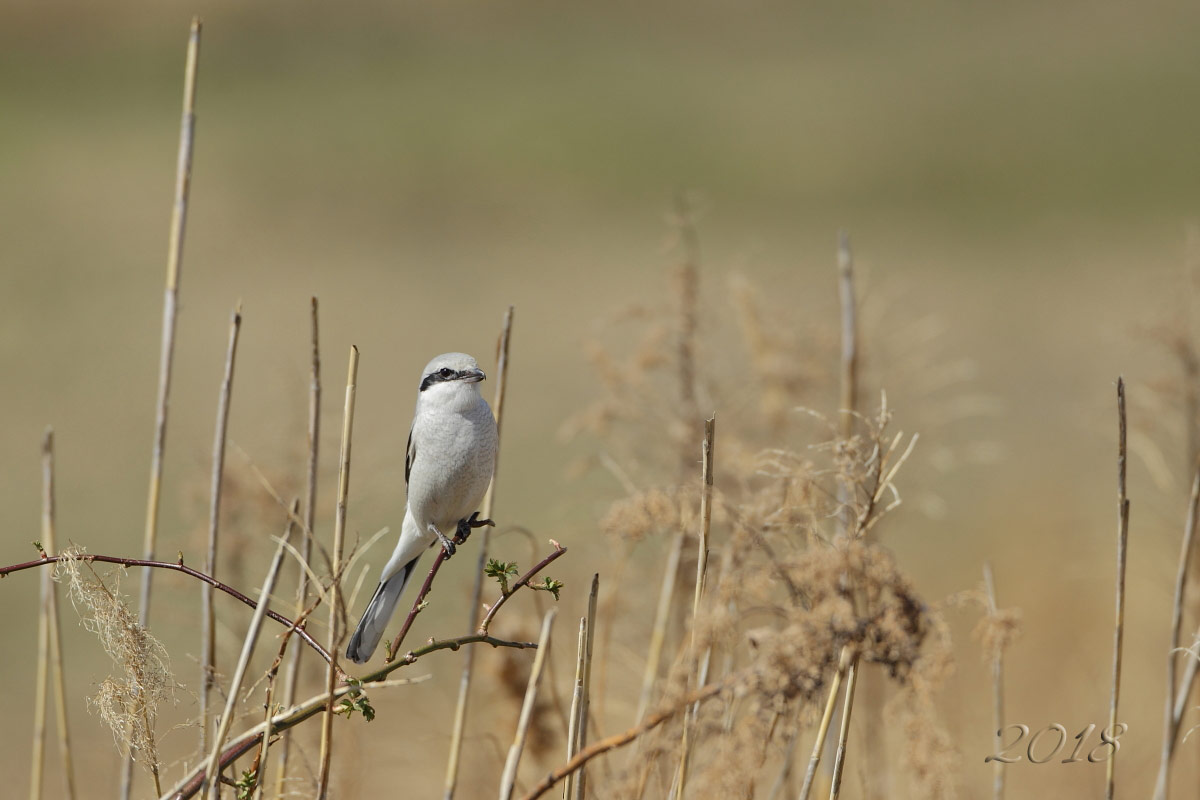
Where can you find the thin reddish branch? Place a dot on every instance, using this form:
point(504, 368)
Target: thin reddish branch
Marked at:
point(621, 739)
point(522, 581)
point(192, 785)
point(418, 604)
point(174, 566)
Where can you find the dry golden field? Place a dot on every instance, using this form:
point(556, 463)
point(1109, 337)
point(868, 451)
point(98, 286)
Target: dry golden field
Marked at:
point(657, 190)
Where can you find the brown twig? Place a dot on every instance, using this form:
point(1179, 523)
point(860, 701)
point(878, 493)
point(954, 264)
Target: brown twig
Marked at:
point(464, 684)
point(1171, 722)
point(183, 179)
point(618, 740)
point(335, 600)
point(509, 778)
point(418, 603)
point(559, 550)
point(50, 660)
point(190, 785)
point(292, 677)
point(174, 566)
point(1122, 540)
point(239, 674)
point(208, 634)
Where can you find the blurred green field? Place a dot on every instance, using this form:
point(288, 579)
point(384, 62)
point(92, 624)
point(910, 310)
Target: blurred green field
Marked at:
point(1025, 173)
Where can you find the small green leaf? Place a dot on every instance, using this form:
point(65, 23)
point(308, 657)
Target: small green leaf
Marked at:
point(356, 702)
point(548, 585)
point(246, 785)
point(500, 570)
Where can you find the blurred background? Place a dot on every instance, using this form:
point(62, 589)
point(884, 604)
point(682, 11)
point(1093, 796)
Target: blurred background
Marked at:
point(1019, 182)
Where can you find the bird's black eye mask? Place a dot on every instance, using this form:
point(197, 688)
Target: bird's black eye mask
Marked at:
point(441, 376)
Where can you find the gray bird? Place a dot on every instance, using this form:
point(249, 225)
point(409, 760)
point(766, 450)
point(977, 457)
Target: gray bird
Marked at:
point(451, 455)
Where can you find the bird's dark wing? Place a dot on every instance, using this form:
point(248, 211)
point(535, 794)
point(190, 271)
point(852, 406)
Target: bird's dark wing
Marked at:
point(410, 455)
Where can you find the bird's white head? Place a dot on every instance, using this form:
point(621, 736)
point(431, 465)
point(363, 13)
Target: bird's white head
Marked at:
point(448, 374)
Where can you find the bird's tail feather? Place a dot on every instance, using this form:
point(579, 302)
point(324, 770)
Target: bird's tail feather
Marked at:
point(379, 612)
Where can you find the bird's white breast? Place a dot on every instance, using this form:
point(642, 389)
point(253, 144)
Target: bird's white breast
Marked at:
point(454, 435)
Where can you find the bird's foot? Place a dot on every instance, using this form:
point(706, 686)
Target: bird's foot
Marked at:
point(465, 526)
point(447, 545)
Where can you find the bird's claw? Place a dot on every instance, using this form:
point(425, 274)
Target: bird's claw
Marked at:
point(447, 544)
point(465, 526)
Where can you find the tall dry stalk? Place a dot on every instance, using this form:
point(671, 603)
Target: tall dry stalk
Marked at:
point(989, 584)
point(183, 180)
point(848, 407)
point(1122, 540)
point(335, 598)
point(706, 480)
point(239, 673)
point(489, 500)
point(292, 676)
point(1170, 721)
point(208, 634)
point(576, 721)
point(662, 616)
point(580, 785)
point(509, 778)
point(50, 660)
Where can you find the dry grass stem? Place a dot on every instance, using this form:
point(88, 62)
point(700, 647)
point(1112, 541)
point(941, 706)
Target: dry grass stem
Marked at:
point(1122, 540)
point(823, 729)
point(1171, 723)
point(839, 762)
point(208, 633)
point(292, 674)
point(580, 784)
point(997, 681)
point(183, 179)
point(335, 603)
point(509, 778)
point(239, 674)
point(662, 615)
point(576, 721)
point(50, 660)
point(706, 481)
point(464, 684)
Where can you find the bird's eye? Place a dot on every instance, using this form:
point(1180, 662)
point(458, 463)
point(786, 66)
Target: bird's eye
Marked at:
point(446, 372)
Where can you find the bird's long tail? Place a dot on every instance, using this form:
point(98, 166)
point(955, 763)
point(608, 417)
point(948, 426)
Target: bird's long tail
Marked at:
point(379, 612)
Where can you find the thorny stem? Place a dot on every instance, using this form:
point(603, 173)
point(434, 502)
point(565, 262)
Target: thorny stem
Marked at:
point(190, 785)
point(618, 740)
point(522, 581)
point(177, 566)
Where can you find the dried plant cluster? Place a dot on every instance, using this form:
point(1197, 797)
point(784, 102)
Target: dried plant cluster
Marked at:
point(798, 580)
point(127, 704)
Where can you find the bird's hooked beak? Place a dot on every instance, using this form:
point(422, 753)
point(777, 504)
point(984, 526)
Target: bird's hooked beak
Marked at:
point(472, 375)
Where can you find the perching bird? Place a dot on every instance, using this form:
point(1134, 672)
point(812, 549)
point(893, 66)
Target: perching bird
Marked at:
point(451, 455)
